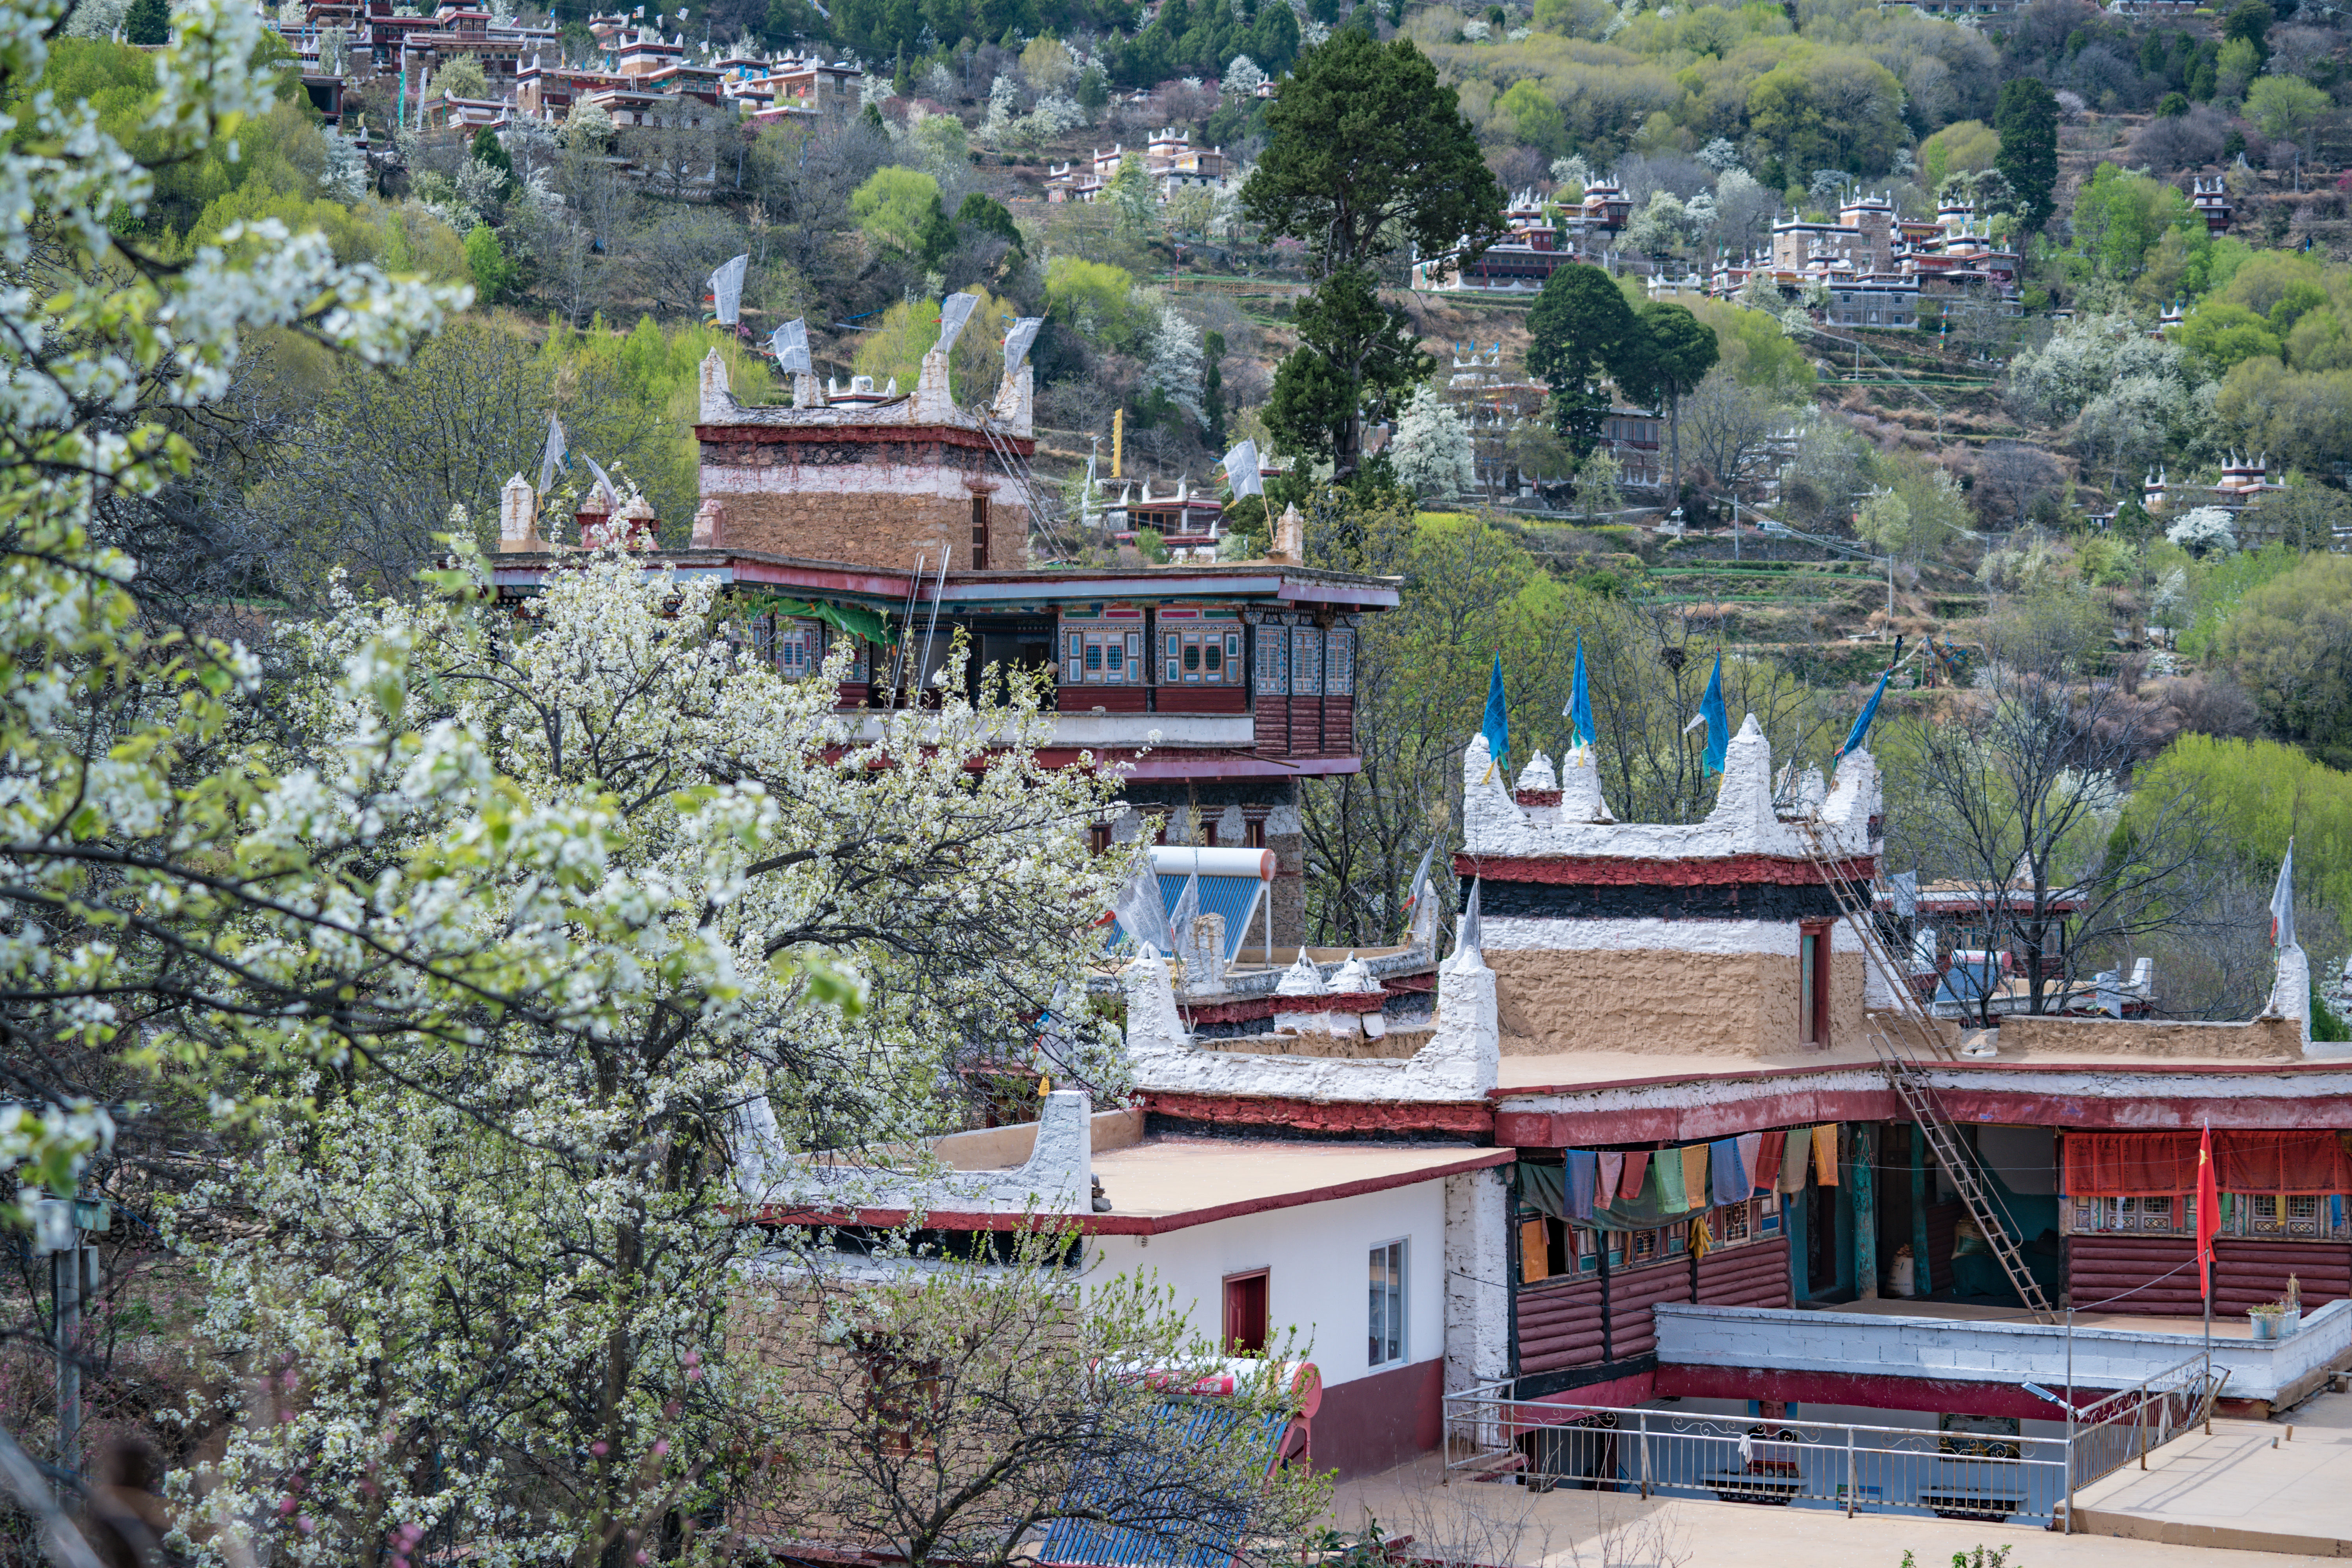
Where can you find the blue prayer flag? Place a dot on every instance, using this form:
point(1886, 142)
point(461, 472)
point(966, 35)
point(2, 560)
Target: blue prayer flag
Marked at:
point(1580, 702)
point(1497, 726)
point(1853, 737)
point(1718, 721)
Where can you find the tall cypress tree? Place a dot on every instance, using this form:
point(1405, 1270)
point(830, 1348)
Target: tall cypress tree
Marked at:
point(1212, 391)
point(1367, 151)
point(2027, 119)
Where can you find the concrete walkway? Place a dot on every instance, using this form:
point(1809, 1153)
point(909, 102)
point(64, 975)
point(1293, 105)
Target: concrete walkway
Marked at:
point(2294, 1507)
point(2251, 1486)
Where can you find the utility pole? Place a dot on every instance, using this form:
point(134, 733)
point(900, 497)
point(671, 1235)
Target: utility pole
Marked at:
point(58, 1225)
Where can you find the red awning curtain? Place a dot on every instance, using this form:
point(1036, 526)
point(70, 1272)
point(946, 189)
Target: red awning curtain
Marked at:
point(2142, 1165)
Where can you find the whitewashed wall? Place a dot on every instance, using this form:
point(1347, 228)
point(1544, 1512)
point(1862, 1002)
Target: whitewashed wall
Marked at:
point(1317, 1261)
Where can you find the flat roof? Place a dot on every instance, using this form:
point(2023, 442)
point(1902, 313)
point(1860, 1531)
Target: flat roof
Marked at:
point(1168, 1184)
point(1247, 579)
point(1173, 1184)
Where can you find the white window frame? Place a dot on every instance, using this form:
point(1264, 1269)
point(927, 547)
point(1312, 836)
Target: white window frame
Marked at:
point(1400, 1249)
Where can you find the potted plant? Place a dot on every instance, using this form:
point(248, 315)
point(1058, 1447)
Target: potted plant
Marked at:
point(2265, 1319)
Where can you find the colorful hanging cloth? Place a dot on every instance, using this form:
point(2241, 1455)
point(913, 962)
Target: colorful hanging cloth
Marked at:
point(1730, 1177)
point(1637, 1165)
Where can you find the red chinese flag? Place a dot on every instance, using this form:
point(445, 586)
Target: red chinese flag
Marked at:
point(2209, 1212)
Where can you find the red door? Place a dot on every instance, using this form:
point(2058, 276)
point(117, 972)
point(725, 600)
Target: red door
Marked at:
point(1246, 1313)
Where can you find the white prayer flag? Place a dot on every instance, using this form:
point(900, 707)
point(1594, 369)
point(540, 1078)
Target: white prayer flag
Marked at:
point(726, 290)
point(2283, 902)
point(553, 458)
point(1241, 470)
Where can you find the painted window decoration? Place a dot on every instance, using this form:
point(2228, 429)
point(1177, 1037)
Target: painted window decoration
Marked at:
point(1272, 661)
point(1306, 661)
point(799, 648)
point(2296, 1217)
point(1102, 654)
point(1208, 654)
point(1339, 662)
point(1387, 1342)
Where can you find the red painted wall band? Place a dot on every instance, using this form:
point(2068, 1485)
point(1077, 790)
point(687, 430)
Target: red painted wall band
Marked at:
point(1592, 870)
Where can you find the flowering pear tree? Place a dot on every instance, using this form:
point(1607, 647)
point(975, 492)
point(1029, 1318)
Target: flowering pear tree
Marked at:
point(486, 1286)
point(115, 863)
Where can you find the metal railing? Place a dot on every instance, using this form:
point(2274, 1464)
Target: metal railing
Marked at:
point(1790, 1462)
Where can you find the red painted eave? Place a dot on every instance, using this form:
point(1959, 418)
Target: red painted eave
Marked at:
point(1283, 584)
point(1116, 1224)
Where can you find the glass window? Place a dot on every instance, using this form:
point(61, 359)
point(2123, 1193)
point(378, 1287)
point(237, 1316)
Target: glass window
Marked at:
point(1339, 662)
point(1386, 1342)
point(1112, 655)
point(1306, 661)
point(1234, 649)
point(1174, 642)
point(1074, 645)
point(1193, 659)
point(1646, 1245)
point(1210, 656)
point(1093, 658)
point(1273, 668)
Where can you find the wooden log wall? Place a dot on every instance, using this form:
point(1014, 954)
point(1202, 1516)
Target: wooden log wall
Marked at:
point(1560, 1321)
point(2156, 1276)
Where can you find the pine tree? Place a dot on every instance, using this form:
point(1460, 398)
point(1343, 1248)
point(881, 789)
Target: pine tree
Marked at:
point(1212, 392)
point(148, 23)
point(2027, 119)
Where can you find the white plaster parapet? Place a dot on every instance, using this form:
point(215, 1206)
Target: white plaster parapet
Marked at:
point(1743, 822)
point(930, 404)
point(1412, 960)
point(1579, 788)
point(1056, 1178)
point(1462, 1060)
point(1976, 1350)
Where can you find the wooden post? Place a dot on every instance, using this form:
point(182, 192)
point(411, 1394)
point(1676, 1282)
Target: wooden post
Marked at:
point(1866, 1215)
point(1920, 1284)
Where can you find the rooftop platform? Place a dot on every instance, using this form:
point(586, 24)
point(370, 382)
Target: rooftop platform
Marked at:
point(1956, 1357)
point(1505, 1525)
point(1009, 1177)
point(2276, 1486)
point(1169, 1183)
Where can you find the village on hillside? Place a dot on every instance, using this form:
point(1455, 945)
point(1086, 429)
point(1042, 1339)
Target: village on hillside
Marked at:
point(821, 784)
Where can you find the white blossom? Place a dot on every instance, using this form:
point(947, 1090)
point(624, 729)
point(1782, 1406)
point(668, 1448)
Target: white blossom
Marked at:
point(1178, 361)
point(1433, 454)
point(2205, 531)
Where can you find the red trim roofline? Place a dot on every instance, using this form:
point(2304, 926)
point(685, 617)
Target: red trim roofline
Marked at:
point(1146, 1224)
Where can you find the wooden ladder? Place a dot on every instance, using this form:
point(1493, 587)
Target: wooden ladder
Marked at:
point(1906, 1057)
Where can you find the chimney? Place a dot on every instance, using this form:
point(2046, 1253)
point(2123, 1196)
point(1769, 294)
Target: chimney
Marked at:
point(709, 524)
point(1289, 538)
point(519, 517)
point(592, 518)
point(638, 529)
